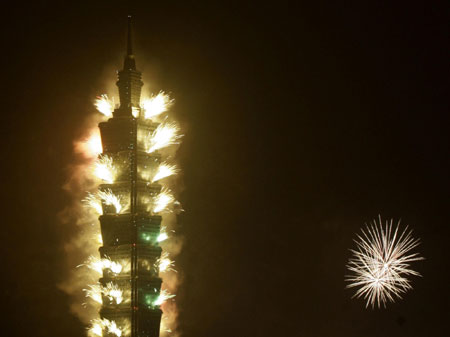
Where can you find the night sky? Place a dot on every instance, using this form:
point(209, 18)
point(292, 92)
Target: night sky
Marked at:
point(302, 122)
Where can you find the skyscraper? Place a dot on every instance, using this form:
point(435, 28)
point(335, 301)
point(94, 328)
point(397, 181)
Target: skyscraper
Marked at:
point(130, 234)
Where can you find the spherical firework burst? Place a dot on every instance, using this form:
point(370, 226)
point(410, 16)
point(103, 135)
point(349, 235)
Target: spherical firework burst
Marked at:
point(381, 263)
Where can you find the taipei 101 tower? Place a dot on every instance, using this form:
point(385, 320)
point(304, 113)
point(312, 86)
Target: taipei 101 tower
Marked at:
point(130, 227)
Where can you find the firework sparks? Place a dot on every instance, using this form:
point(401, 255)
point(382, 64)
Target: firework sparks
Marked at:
point(111, 290)
point(164, 170)
point(105, 170)
point(100, 264)
point(98, 325)
point(113, 293)
point(162, 201)
point(94, 292)
point(115, 267)
point(104, 105)
point(156, 105)
point(165, 134)
point(109, 198)
point(163, 236)
point(381, 263)
point(96, 329)
point(92, 201)
point(163, 296)
point(165, 264)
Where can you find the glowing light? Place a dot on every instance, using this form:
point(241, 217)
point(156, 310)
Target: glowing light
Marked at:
point(381, 263)
point(96, 329)
point(94, 292)
point(103, 324)
point(165, 264)
point(92, 201)
point(100, 264)
point(115, 267)
point(109, 198)
point(91, 147)
point(113, 292)
point(162, 237)
point(105, 169)
point(163, 296)
point(162, 200)
point(164, 170)
point(104, 105)
point(164, 135)
point(135, 112)
point(156, 105)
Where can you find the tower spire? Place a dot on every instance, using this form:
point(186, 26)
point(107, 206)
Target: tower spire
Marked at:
point(129, 41)
point(129, 82)
point(129, 62)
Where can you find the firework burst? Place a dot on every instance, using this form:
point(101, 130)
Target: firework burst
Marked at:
point(381, 262)
point(104, 105)
point(163, 200)
point(164, 135)
point(164, 170)
point(105, 170)
point(163, 297)
point(156, 105)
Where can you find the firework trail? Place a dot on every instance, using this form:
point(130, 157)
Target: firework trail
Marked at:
point(381, 263)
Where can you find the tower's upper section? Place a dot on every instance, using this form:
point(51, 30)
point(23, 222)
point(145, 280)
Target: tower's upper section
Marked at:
point(129, 62)
point(129, 82)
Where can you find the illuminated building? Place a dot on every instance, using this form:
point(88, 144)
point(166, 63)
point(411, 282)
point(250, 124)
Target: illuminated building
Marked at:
point(130, 235)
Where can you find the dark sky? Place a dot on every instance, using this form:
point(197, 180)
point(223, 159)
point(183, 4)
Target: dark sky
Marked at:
point(302, 123)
